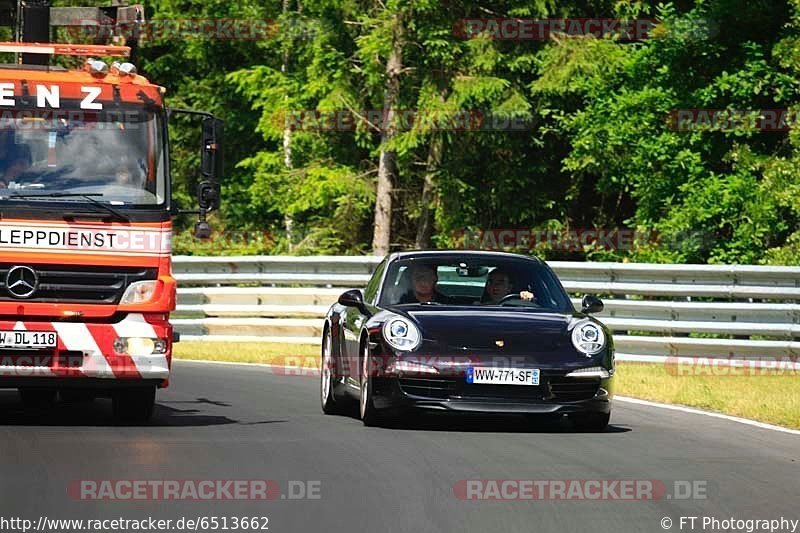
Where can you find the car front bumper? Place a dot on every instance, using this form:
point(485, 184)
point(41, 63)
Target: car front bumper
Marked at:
point(556, 394)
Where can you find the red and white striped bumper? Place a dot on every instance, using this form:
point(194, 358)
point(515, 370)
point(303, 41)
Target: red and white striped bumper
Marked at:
point(86, 350)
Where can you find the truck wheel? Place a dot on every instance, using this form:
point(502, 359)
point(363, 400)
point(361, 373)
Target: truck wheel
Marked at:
point(76, 395)
point(34, 397)
point(134, 405)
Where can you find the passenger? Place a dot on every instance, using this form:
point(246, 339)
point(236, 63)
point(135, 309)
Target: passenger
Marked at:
point(498, 286)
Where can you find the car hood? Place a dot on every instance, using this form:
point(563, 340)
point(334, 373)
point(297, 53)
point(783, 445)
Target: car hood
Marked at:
point(494, 335)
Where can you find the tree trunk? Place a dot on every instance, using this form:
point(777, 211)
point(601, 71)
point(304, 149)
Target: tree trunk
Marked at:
point(425, 225)
point(387, 167)
point(288, 222)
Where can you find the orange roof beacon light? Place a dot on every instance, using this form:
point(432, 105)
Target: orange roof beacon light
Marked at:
point(86, 283)
point(65, 49)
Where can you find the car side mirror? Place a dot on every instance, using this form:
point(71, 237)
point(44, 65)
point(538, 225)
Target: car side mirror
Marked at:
point(353, 298)
point(591, 304)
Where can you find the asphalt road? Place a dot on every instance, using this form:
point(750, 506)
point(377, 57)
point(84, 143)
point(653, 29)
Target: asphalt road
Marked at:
point(237, 422)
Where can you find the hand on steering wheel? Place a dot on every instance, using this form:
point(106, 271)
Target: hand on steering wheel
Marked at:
point(526, 296)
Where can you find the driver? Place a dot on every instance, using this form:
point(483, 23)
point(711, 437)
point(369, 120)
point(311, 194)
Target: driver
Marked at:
point(423, 281)
point(129, 174)
point(498, 286)
point(18, 162)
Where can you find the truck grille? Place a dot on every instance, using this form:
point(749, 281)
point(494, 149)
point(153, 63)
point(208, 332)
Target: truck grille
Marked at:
point(78, 284)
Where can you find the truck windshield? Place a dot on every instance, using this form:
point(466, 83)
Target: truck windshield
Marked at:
point(115, 156)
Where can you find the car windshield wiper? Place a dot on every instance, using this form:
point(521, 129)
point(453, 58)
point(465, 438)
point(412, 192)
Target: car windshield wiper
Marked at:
point(87, 196)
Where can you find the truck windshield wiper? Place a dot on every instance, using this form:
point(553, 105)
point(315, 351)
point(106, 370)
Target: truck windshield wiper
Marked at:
point(87, 196)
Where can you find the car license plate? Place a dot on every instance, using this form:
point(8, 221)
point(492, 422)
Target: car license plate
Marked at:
point(28, 339)
point(502, 376)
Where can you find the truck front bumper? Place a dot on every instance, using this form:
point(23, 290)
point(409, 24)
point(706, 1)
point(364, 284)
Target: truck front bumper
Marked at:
point(89, 350)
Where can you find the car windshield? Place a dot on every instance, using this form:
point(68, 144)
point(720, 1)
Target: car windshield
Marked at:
point(114, 156)
point(508, 282)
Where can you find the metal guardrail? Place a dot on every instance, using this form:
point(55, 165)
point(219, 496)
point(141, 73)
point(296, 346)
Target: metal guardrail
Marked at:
point(652, 308)
point(280, 270)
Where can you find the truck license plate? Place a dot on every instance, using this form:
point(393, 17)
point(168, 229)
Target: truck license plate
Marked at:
point(28, 339)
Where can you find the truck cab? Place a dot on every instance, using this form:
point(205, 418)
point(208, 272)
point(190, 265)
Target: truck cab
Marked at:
point(86, 284)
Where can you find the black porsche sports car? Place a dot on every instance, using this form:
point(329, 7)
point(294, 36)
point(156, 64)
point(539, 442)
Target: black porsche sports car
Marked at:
point(467, 331)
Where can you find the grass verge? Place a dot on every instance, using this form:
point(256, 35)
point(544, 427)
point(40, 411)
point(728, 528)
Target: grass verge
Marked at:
point(774, 399)
point(244, 352)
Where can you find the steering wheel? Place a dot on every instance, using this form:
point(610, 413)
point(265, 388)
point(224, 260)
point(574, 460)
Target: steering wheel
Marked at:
point(509, 297)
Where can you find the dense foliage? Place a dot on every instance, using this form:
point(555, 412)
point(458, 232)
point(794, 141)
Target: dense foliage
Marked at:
point(596, 149)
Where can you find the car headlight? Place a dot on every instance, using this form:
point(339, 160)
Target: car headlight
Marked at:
point(139, 292)
point(401, 334)
point(588, 337)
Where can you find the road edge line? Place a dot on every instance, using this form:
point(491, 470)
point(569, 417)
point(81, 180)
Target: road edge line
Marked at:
point(712, 414)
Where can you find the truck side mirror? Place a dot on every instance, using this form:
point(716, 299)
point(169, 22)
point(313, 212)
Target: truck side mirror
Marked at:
point(211, 148)
point(208, 195)
point(208, 191)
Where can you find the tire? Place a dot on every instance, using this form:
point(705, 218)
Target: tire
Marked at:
point(76, 395)
point(327, 376)
point(37, 398)
point(134, 405)
point(590, 422)
point(369, 415)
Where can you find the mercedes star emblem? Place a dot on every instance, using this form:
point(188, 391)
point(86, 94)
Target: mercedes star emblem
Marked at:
point(21, 281)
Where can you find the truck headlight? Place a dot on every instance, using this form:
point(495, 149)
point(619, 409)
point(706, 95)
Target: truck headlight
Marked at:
point(139, 292)
point(140, 346)
point(588, 337)
point(401, 334)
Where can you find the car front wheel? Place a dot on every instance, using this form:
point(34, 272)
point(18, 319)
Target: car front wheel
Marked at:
point(369, 415)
